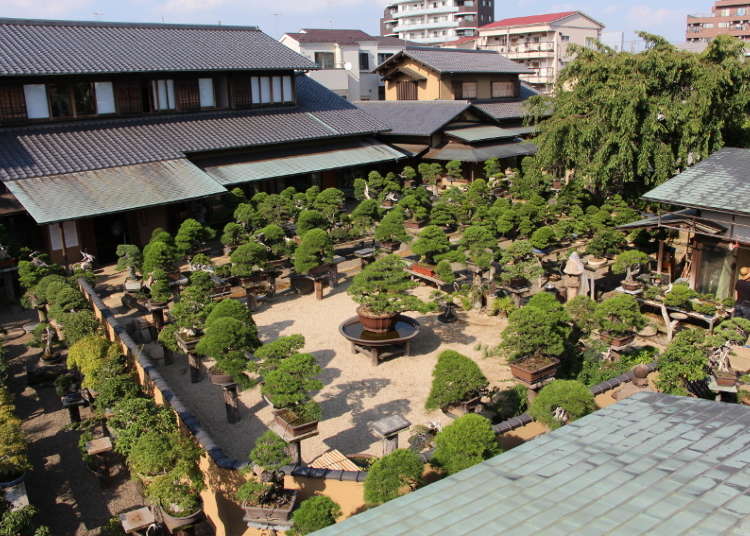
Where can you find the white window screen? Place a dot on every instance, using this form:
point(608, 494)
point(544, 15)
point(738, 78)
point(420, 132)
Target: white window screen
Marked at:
point(36, 101)
point(105, 98)
point(288, 92)
point(70, 232)
point(265, 89)
point(206, 89)
point(277, 97)
point(55, 237)
point(255, 89)
point(163, 94)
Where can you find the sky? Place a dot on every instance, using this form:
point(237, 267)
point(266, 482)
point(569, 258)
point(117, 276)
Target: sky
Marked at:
point(277, 17)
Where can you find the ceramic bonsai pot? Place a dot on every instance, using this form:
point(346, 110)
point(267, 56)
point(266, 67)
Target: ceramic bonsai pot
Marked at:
point(218, 377)
point(596, 262)
point(725, 378)
point(632, 285)
point(617, 340)
point(13, 480)
point(271, 513)
point(410, 224)
point(181, 521)
point(290, 424)
point(390, 246)
point(374, 323)
point(534, 369)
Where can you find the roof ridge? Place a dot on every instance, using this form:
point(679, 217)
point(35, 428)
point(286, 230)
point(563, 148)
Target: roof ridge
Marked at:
point(439, 49)
point(114, 24)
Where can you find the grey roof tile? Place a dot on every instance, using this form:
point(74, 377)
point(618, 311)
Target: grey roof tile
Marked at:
point(38, 47)
point(416, 118)
point(455, 60)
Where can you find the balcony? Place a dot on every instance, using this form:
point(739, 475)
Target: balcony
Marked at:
point(431, 40)
point(425, 26)
point(426, 11)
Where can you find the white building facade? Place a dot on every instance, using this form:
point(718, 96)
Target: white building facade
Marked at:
point(435, 21)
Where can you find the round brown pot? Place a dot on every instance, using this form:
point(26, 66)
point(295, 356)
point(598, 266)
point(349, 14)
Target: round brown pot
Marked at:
point(14, 481)
point(632, 285)
point(182, 521)
point(382, 323)
point(219, 378)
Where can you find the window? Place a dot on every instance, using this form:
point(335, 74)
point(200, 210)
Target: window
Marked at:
point(163, 94)
point(564, 38)
point(383, 57)
point(131, 97)
point(740, 10)
point(276, 89)
point(265, 90)
point(71, 99)
point(325, 60)
point(187, 94)
point(724, 12)
point(105, 98)
point(364, 61)
point(12, 102)
point(206, 92)
point(255, 89)
point(503, 89)
point(468, 90)
point(288, 90)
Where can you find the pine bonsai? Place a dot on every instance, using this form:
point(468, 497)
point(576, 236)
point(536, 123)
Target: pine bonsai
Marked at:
point(130, 258)
point(227, 342)
point(274, 238)
point(680, 296)
point(78, 325)
point(455, 379)
point(684, 361)
point(453, 169)
point(248, 260)
point(478, 244)
point(581, 310)
point(520, 264)
point(630, 263)
point(232, 235)
point(391, 228)
point(365, 215)
point(315, 250)
point(228, 308)
point(159, 289)
point(270, 355)
point(191, 235)
point(158, 255)
point(535, 330)
point(315, 513)
point(543, 237)
point(246, 215)
point(493, 168)
point(382, 288)
point(415, 209)
point(467, 441)
point(288, 386)
point(269, 455)
point(606, 242)
point(390, 474)
point(360, 186)
point(572, 397)
point(330, 202)
point(432, 241)
point(442, 215)
point(310, 219)
point(619, 315)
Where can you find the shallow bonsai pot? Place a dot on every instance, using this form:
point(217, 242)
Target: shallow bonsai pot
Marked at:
point(263, 513)
point(287, 420)
point(219, 378)
point(632, 285)
point(596, 262)
point(374, 323)
point(181, 521)
point(390, 246)
point(649, 331)
point(617, 340)
point(517, 283)
point(411, 224)
point(463, 407)
point(424, 269)
point(725, 378)
point(13, 482)
point(534, 369)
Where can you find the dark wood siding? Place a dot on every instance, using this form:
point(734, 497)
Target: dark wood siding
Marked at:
point(130, 96)
point(406, 90)
point(241, 92)
point(12, 102)
point(187, 95)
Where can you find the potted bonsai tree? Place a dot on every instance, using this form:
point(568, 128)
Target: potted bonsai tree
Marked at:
point(229, 340)
point(270, 355)
point(288, 388)
point(274, 238)
point(381, 289)
point(232, 236)
point(542, 238)
point(249, 263)
point(314, 253)
point(605, 242)
point(432, 241)
point(443, 216)
point(330, 202)
point(561, 402)
point(630, 263)
point(680, 296)
point(520, 265)
point(160, 293)
point(191, 236)
point(159, 255)
point(415, 207)
point(393, 475)
point(408, 174)
point(454, 171)
point(390, 232)
point(130, 258)
point(313, 514)
point(457, 381)
point(467, 441)
point(618, 318)
point(264, 498)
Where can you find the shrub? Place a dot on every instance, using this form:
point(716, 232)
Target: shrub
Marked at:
point(532, 330)
point(581, 310)
point(290, 383)
point(619, 315)
point(382, 288)
point(391, 228)
point(111, 389)
point(228, 308)
point(310, 219)
point(388, 475)
point(314, 514)
point(88, 355)
point(543, 237)
point(455, 379)
point(432, 241)
point(248, 259)
point(314, 251)
point(679, 296)
point(14, 459)
point(570, 395)
point(467, 441)
point(133, 417)
point(191, 235)
point(78, 325)
point(20, 522)
point(153, 453)
point(685, 360)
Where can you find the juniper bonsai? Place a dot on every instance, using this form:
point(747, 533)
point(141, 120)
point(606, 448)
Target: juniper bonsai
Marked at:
point(130, 258)
point(382, 288)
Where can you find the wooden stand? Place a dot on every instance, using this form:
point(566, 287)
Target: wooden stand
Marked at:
point(194, 363)
point(231, 403)
point(387, 429)
point(379, 353)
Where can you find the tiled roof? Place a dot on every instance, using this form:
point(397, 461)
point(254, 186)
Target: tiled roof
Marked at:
point(652, 464)
point(37, 47)
point(86, 145)
point(720, 182)
point(343, 37)
point(460, 41)
point(459, 60)
point(514, 109)
point(529, 20)
point(415, 118)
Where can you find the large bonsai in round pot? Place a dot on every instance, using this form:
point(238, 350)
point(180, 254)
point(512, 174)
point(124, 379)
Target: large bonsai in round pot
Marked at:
point(381, 289)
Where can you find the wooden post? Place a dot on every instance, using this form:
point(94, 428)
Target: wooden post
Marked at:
point(195, 367)
point(230, 403)
point(157, 317)
point(74, 411)
point(295, 452)
point(318, 286)
point(390, 444)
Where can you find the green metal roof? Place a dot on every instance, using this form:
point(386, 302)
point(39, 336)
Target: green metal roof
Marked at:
point(468, 153)
point(720, 182)
point(70, 196)
point(298, 164)
point(486, 132)
point(652, 464)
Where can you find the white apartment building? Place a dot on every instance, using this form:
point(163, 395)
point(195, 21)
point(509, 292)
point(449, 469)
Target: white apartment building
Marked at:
point(346, 59)
point(435, 21)
point(540, 42)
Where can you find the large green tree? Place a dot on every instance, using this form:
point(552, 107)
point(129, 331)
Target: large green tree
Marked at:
point(626, 122)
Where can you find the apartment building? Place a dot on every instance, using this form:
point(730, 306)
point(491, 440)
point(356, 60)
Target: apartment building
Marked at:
point(540, 42)
point(727, 17)
point(345, 59)
point(435, 21)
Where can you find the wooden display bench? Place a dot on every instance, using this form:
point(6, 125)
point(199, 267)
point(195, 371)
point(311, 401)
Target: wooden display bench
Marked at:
point(381, 353)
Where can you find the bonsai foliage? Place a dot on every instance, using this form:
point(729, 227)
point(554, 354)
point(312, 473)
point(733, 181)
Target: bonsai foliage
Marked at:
point(130, 258)
point(270, 455)
point(467, 441)
point(445, 272)
point(415, 208)
point(606, 242)
point(228, 308)
point(382, 288)
point(679, 296)
point(88, 355)
point(246, 215)
point(310, 219)
point(314, 251)
point(290, 383)
point(478, 244)
point(390, 474)
point(78, 325)
point(329, 202)
point(365, 214)
point(359, 185)
point(160, 291)
point(455, 379)
point(191, 235)
point(13, 448)
point(133, 417)
point(271, 354)
point(570, 395)
point(47, 287)
point(315, 513)
point(519, 262)
point(432, 241)
point(248, 259)
point(442, 214)
point(233, 234)
point(493, 168)
point(629, 262)
point(453, 169)
point(685, 360)
point(543, 237)
point(274, 238)
point(581, 310)
point(391, 228)
point(190, 312)
point(30, 273)
point(227, 342)
point(536, 329)
point(158, 255)
point(66, 300)
point(619, 315)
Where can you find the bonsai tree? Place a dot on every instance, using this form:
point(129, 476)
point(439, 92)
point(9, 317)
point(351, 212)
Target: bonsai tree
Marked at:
point(679, 296)
point(269, 456)
point(232, 235)
point(248, 260)
point(66, 300)
point(606, 242)
point(543, 237)
point(160, 291)
point(288, 386)
point(133, 417)
point(382, 288)
point(276, 208)
point(408, 174)
point(191, 235)
point(190, 312)
point(14, 460)
point(31, 272)
point(89, 355)
point(388, 476)
point(360, 187)
point(478, 244)
point(365, 215)
point(77, 325)
point(329, 203)
point(467, 441)
point(455, 379)
point(561, 402)
point(453, 169)
point(270, 355)
point(432, 241)
point(493, 168)
point(391, 228)
point(315, 513)
point(430, 173)
point(630, 263)
point(581, 310)
point(442, 215)
point(311, 194)
point(314, 251)
point(415, 209)
point(619, 315)
point(246, 215)
point(535, 330)
point(520, 264)
point(274, 238)
point(130, 258)
point(445, 272)
point(228, 308)
point(227, 341)
point(310, 219)
point(158, 255)
point(684, 361)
